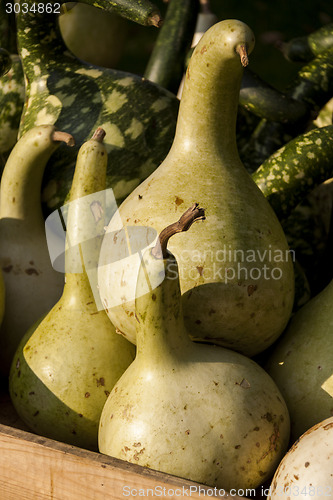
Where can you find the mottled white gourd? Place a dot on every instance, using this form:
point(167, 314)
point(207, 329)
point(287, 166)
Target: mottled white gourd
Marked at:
point(306, 471)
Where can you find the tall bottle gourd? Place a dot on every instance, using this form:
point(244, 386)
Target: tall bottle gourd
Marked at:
point(237, 283)
point(32, 285)
point(65, 366)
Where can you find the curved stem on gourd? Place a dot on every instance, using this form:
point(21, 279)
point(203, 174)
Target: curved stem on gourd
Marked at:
point(191, 215)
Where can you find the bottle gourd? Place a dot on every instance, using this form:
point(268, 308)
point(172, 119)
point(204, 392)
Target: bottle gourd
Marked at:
point(32, 285)
point(301, 363)
point(66, 365)
point(237, 280)
point(200, 412)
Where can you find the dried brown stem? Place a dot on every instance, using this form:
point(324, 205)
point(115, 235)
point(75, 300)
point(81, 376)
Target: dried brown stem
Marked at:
point(58, 136)
point(99, 134)
point(205, 6)
point(191, 215)
point(155, 20)
point(242, 51)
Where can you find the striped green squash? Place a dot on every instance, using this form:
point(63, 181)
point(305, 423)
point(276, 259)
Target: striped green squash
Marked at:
point(139, 117)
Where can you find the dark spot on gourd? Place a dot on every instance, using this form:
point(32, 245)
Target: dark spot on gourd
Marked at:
point(73, 431)
point(198, 322)
point(178, 201)
point(306, 464)
point(31, 270)
point(87, 395)
point(211, 311)
point(19, 374)
point(296, 477)
point(36, 413)
point(268, 417)
point(203, 50)
point(187, 432)
point(7, 269)
point(251, 289)
point(13, 199)
point(107, 393)
point(140, 196)
point(215, 383)
point(31, 393)
point(258, 445)
point(256, 429)
point(237, 446)
point(100, 382)
point(200, 270)
point(153, 297)
point(80, 415)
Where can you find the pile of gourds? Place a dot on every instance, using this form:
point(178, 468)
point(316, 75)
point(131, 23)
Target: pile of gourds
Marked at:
point(204, 355)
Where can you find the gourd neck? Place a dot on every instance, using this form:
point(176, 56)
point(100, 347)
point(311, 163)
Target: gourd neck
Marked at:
point(208, 108)
point(22, 177)
point(39, 39)
point(85, 224)
point(160, 326)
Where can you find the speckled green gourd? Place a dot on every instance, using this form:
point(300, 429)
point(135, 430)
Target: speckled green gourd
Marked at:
point(225, 299)
point(67, 364)
point(138, 116)
point(12, 94)
point(301, 363)
point(32, 285)
point(200, 412)
point(295, 169)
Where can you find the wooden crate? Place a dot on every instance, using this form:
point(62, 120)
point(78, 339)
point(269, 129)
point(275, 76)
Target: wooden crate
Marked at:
point(36, 468)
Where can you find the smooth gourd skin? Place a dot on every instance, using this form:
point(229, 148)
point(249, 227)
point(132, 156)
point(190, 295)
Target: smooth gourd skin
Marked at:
point(198, 411)
point(301, 363)
point(67, 364)
point(223, 302)
point(32, 285)
point(307, 467)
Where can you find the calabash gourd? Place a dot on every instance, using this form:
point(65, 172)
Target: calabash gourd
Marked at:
point(138, 116)
point(301, 363)
point(67, 364)
point(201, 412)
point(236, 275)
point(94, 35)
point(32, 285)
point(306, 470)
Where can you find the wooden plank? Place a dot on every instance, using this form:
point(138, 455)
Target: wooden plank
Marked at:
point(35, 468)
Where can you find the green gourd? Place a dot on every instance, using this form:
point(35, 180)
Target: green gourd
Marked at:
point(67, 363)
point(237, 278)
point(12, 93)
point(138, 116)
point(32, 285)
point(94, 35)
point(197, 411)
point(5, 62)
point(301, 363)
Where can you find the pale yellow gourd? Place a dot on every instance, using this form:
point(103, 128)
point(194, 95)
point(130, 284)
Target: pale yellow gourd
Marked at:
point(236, 275)
point(67, 364)
point(201, 412)
point(32, 285)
